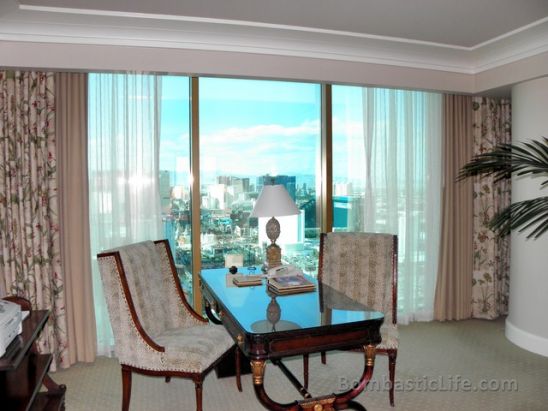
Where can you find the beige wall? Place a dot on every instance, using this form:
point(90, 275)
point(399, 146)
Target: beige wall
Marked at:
point(526, 324)
point(506, 75)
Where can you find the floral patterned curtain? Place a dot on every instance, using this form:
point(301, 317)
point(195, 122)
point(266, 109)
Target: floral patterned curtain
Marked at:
point(29, 229)
point(491, 126)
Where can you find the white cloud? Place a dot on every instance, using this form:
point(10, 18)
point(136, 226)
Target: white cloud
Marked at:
point(246, 134)
point(256, 150)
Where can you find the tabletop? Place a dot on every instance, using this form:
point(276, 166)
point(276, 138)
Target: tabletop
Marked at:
point(258, 311)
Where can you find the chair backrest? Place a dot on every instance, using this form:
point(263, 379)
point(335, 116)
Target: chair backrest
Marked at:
point(183, 314)
point(142, 281)
point(362, 266)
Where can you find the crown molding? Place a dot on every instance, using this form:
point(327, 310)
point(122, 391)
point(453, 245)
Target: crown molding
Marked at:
point(504, 36)
point(274, 48)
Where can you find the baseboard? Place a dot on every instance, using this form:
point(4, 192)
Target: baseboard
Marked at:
point(526, 340)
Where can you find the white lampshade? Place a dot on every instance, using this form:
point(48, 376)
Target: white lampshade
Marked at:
point(274, 201)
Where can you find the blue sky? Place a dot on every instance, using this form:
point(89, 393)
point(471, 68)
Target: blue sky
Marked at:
point(247, 127)
point(250, 128)
point(254, 127)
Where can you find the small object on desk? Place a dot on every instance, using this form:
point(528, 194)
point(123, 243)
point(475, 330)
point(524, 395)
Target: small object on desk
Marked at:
point(233, 269)
point(283, 270)
point(290, 284)
point(247, 280)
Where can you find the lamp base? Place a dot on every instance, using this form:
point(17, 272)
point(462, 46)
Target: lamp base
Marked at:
point(273, 256)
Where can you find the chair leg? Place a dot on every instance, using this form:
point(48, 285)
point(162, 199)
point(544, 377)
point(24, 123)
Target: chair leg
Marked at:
point(305, 370)
point(198, 387)
point(168, 379)
point(238, 370)
point(126, 388)
point(324, 358)
point(392, 354)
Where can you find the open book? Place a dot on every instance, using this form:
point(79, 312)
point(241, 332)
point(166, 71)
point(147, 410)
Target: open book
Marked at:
point(289, 284)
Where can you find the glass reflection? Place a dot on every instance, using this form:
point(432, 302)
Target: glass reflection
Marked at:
point(258, 311)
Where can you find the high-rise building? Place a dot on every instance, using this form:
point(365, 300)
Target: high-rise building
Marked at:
point(216, 196)
point(245, 184)
point(226, 180)
point(347, 212)
point(165, 191)
point(238, 187)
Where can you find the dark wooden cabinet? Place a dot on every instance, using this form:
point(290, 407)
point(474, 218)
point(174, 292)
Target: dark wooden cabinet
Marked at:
point(23, 371)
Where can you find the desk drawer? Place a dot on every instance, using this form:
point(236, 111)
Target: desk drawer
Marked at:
point(325, 342)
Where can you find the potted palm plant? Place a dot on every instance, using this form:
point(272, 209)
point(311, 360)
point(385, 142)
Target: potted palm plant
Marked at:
point(529, 158)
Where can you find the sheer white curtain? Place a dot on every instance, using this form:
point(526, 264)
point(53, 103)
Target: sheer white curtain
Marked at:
point(402, 141)
point(123, 171)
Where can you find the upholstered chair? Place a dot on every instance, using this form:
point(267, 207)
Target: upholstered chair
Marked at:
point(363, 266)
point(156, 331)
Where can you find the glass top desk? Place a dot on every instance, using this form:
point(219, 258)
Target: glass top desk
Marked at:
point(269, 327)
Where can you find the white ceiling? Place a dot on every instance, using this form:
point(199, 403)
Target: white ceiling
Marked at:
point(464, 23)
point(466, 36)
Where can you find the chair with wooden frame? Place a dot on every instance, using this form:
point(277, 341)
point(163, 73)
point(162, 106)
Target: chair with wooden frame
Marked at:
point(156, 331)
point(364, 266)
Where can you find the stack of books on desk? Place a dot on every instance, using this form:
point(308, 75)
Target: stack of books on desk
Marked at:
point(290, 284)
point(242, 280)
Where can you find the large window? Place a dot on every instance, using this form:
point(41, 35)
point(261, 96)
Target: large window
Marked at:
point(254, 133)
point(385, 172)
point(386, 178)
point(174, 176)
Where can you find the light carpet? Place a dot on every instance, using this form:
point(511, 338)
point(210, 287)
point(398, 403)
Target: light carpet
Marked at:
point(465, 366)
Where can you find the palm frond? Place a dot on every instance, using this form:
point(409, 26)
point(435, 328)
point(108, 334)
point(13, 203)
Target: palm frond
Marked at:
point(496, 162)
point(521, 216)
point(531, 158)
point(506, 159)
point(527, 158)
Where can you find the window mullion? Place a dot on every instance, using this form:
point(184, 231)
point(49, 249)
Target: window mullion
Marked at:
point(326, 192)
point(195, 192)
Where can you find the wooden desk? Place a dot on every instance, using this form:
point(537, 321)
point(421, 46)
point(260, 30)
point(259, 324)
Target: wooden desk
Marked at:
point(270, 328)
point(23, 371)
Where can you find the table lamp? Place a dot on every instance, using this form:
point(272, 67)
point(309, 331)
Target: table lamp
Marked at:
point(274, 201)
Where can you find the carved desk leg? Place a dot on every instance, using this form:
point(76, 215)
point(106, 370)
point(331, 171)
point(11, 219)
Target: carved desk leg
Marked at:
point(258, 367)
point(325, 403)
point(344, 399)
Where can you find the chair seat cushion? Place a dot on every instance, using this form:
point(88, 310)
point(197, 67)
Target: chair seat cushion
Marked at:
point(194, 349)
point(390, 337)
